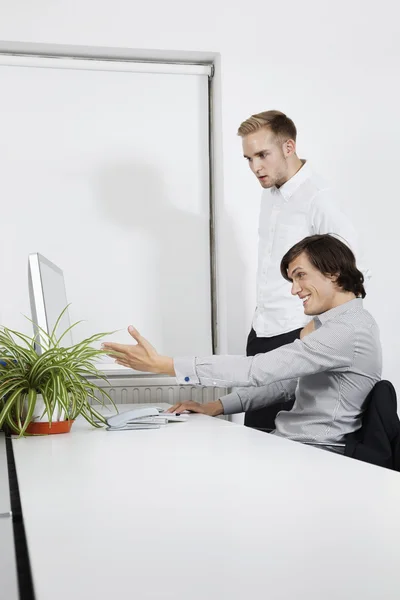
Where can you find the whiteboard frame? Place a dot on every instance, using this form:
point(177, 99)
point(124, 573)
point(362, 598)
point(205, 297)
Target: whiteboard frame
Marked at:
point(96, 64)
point(72, 61)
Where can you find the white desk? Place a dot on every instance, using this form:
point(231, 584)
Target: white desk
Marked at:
point(8, 570)
point(184, 513)
point(5, 503)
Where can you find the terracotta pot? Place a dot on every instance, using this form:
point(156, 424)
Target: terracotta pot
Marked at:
point(46, 428)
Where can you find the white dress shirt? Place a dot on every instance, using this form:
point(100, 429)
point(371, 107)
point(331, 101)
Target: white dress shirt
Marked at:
point(330, 372)
point(299, 208)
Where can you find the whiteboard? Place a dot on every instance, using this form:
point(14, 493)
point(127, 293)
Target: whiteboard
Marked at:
point(105, 173)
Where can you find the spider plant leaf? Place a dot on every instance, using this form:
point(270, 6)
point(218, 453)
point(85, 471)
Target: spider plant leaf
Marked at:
point(9, 405)
point(30, 410)
point(11, 424)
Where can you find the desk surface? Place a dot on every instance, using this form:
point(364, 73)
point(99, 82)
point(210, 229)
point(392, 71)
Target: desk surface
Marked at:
point(8, 569)
point(205, 509)
point(5, 502)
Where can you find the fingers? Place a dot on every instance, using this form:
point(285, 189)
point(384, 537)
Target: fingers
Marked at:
point(113, 350)
point(141, 340)
point(126, 347)
point(134, 333)
point(115, 354)
point(113, 346)
point(174, 408)
point(189, 405)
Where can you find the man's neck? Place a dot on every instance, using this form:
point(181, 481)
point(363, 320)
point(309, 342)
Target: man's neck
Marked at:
point(293, 168)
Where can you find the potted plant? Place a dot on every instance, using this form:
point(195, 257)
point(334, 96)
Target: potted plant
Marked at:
point(44, 393)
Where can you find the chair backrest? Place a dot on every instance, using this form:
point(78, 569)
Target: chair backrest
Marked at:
point(378, 439)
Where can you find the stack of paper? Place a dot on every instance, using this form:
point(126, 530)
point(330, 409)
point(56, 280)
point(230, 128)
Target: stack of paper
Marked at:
point(147, 417)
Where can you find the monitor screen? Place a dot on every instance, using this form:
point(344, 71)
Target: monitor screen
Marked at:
point(48, 298)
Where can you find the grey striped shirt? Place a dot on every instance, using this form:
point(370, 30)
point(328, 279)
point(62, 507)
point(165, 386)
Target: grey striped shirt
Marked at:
point(330, 372)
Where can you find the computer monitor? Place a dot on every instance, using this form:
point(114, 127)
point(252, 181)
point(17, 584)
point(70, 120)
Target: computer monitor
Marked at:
point(48, 298)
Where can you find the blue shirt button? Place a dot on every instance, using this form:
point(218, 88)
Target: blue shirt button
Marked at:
point(187, 378)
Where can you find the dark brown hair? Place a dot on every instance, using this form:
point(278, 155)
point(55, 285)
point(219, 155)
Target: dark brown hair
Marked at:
point(331, 257)
point(276, 121)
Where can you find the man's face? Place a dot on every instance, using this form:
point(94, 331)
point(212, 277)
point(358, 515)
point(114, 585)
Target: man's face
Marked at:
point(317, 291)
point(266, 156)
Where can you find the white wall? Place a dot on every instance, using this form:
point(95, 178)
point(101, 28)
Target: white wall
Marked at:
point(333, 67)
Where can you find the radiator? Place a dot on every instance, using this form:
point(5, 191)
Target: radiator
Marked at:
point(138, 390)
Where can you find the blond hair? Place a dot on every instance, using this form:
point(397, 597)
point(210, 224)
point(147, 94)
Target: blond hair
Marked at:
point(274, 120)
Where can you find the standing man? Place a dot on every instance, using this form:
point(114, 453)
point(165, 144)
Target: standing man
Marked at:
point(295, 204)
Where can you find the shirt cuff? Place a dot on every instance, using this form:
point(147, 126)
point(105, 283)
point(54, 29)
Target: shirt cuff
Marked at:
point(231, 403)
point(185, 371)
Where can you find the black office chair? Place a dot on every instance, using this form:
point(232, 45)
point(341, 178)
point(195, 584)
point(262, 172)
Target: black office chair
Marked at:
point(378, 440)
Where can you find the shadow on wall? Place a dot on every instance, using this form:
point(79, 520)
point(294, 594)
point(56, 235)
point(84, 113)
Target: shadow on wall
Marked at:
point(136, 198)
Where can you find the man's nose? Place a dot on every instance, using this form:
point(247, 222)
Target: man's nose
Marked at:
point(295, 288)
point(256, 165)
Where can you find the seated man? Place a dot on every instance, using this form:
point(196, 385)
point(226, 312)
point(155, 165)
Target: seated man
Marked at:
point(330, 371)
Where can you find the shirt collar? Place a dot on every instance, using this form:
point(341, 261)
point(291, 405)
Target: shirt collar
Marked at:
point(292, 185)
point(338, 310)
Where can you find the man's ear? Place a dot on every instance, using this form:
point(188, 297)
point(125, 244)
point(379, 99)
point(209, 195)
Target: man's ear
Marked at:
point(289, 148)
point(334, 277)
